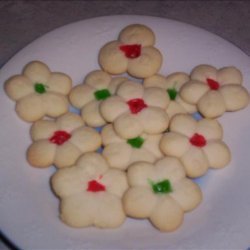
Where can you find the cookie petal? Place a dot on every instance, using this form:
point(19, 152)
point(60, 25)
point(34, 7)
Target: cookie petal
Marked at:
point(167, 215)
point(187, 194)
point(115, 182)
point(41, 154)
point(91, 114)
point(113, 107)
point(202, 72)
point(157, 80)
point(31, 108)
point(55, 104)
point(147, 64)
point(174, 144)
point(109, 212)
point(66, 155)
point(86, 139)
point(118, 155)
point(139, 202)
point(130, 90)
point(229, 75)
point(98, 79)
point(195, 162)
point(192, 91)
point(183, 124)
point(235, 97)
point(210, 129)
point(212, 104)
point(69, 122)
point(78, 210)
point(42, 129)
point(218, 154)
point(154, 120)
point(59, 83)
point(80, 95)
point(156, 97)
point(109, 136)
point(137, 34)
point(112, 59)
point(128, 126)
point(18, 87)
point(37, 72)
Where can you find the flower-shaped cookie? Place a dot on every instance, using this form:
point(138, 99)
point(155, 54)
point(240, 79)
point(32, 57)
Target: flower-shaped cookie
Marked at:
point(133, 52)
point(120, 153)
point(172, 84)
point(215, 91)
point(135, 110)
point(38, 92)
point(198, 144)
point(98, 85)
point(61, 142)
point(161, 193)
point(90, 193)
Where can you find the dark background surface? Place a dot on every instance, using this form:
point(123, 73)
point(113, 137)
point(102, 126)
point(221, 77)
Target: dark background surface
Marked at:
point(23, 21)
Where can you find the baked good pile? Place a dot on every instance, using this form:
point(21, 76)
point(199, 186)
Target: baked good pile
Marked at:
point(135, 146)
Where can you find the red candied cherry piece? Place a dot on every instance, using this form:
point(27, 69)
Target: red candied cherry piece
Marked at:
point(131, 51)
point(136, 105)
point(95, 186)
point(214, 85)
point(198, 140)
point(59, 137)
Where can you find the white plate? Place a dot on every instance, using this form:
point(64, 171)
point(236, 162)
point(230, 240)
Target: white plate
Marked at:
point(29, 210)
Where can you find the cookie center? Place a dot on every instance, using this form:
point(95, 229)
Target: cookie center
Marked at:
point(40, 88)
point(59, 137)
point(136, 105)
point(214, 85)
point(198, 140)
point(163, 186)
point(102, 94)
point(172, 93)
point(131, 51)
point(136, 142)
point(95, 186)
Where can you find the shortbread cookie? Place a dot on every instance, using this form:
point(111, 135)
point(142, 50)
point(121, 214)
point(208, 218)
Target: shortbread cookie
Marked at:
point(90, 193)
point(161, 193)
point(215, 91)
point(172, 84)
point(120, 152)
point(61, 142)
point(97, 86)
point(135, 110)
point(38, 92)
point(133, 52)
point(198, 144)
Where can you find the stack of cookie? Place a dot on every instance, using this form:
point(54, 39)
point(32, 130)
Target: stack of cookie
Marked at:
point(136, 144)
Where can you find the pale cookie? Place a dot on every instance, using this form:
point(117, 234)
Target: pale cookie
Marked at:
point(215, 91)
point(120, 153)
point(38, 92)
point(90, 193)
point(198, 144)
point(97, 86)
point(133, 52)
point(172, 84)
point(135, 110)
point(160, 193)
point(61, 142)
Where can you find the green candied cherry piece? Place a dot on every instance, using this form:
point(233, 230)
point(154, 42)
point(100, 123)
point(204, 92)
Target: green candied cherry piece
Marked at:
point(161, 186)
point(136, 142)
point(172, 92)
point(40, 88)
point(102, 94)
